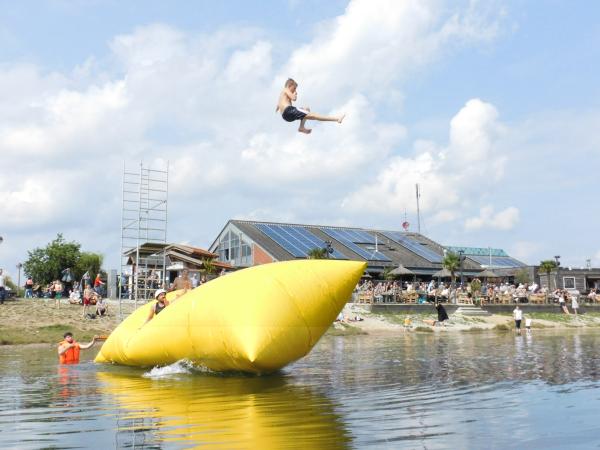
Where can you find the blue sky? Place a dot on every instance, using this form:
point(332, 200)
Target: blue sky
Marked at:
point(491, 106)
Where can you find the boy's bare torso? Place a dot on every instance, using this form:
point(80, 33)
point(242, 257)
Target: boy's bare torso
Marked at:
point(285, 99)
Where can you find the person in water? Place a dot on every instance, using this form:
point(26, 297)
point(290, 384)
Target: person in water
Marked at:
point(161, 303)
point(68, 349)
point(290, 113)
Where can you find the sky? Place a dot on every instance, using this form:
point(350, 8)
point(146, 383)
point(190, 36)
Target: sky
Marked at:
point(492, 107)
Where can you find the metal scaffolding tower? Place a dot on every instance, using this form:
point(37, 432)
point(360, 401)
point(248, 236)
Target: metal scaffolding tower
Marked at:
point(143, 231)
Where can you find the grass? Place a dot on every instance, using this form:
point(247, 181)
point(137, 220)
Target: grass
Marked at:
point(44, 334)
point(502, 327)
point(424, 329)
point(475, 330)
point(552, 317)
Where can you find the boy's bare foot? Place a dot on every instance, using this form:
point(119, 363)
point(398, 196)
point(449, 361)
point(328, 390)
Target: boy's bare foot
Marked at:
point(341, 118)
point(305, 130)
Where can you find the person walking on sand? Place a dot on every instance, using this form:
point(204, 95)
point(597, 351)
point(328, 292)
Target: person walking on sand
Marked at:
point(68, 349)
point(562, 301)
point(518, 316)
point(441, 312)
point(574, 304)
point(290, 113)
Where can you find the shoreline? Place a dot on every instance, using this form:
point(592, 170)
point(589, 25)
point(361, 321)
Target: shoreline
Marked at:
point(393, 323)
point(38, 322)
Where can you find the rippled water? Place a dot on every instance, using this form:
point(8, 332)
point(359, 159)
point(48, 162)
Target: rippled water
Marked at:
point(482, 390)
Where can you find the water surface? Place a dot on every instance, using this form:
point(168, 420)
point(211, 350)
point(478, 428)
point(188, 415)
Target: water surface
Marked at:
point(448, 390)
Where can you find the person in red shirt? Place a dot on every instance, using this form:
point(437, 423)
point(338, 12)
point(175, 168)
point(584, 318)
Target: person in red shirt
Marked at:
point(98, 281)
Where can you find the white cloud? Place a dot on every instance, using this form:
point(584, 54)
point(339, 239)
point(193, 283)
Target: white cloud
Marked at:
point(373, 44)
point(447, 175)
point(502, 220)
point(525, 251)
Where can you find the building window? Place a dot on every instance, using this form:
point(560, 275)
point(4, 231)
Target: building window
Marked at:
point(234, 250)
point(569, 282)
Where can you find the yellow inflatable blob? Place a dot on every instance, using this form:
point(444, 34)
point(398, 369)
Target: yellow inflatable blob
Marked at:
point(222, 412)
point(255, 320)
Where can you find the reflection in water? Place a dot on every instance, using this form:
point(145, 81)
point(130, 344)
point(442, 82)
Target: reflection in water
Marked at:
point(412, 390)
point(232, 412)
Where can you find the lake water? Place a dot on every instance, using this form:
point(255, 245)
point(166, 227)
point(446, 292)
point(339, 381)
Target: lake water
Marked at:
point(449, 390)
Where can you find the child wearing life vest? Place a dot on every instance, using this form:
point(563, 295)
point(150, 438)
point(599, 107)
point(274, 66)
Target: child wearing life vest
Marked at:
point(68, 350)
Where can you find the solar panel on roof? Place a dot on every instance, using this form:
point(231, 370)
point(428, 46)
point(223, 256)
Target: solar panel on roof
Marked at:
point(296, 240)
point(350, 238)
point(413, 246)
point(497, 261)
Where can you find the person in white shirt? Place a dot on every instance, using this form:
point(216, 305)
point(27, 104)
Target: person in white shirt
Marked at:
point(574, 304)
point(518, 315)
point(528, 324)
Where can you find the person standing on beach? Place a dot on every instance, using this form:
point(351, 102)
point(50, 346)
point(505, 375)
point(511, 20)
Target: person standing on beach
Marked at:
point(518, 316)
point(2, 287)
point(88, 292)
point(290, 113)
point(57, 288)
point(68, 349)
point(29, 288)
point(528, 324)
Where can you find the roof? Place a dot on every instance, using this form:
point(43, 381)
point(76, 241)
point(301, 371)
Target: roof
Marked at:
point(477, 251)
point(150, 248)
point(195, 258)
point(381, 248)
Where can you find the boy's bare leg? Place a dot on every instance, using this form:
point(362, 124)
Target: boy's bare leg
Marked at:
point(302, 128)
point(314, 116)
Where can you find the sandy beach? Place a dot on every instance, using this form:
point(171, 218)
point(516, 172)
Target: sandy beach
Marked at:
point(394, 323)
point(29, 321)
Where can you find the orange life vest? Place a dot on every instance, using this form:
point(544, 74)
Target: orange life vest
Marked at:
point(71, 355)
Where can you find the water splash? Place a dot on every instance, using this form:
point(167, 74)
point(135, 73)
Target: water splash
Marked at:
point(180, 367)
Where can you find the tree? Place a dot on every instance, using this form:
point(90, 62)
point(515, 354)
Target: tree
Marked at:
point(548, 266)
point(88, 262)
point(451, 262)
point(522, 276)
point(209, 266)
point(318, 253)
point(476, 289)
point(46, 264)
point(387, 273)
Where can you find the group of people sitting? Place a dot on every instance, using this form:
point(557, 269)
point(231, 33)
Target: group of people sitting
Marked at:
point(432, 291)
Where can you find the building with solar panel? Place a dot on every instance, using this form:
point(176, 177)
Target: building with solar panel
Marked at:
point(244, 243)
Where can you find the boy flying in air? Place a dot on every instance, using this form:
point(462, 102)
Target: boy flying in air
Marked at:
point(291, 113)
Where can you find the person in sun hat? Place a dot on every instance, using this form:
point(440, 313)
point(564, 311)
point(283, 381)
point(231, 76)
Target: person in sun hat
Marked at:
point(161, 303)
